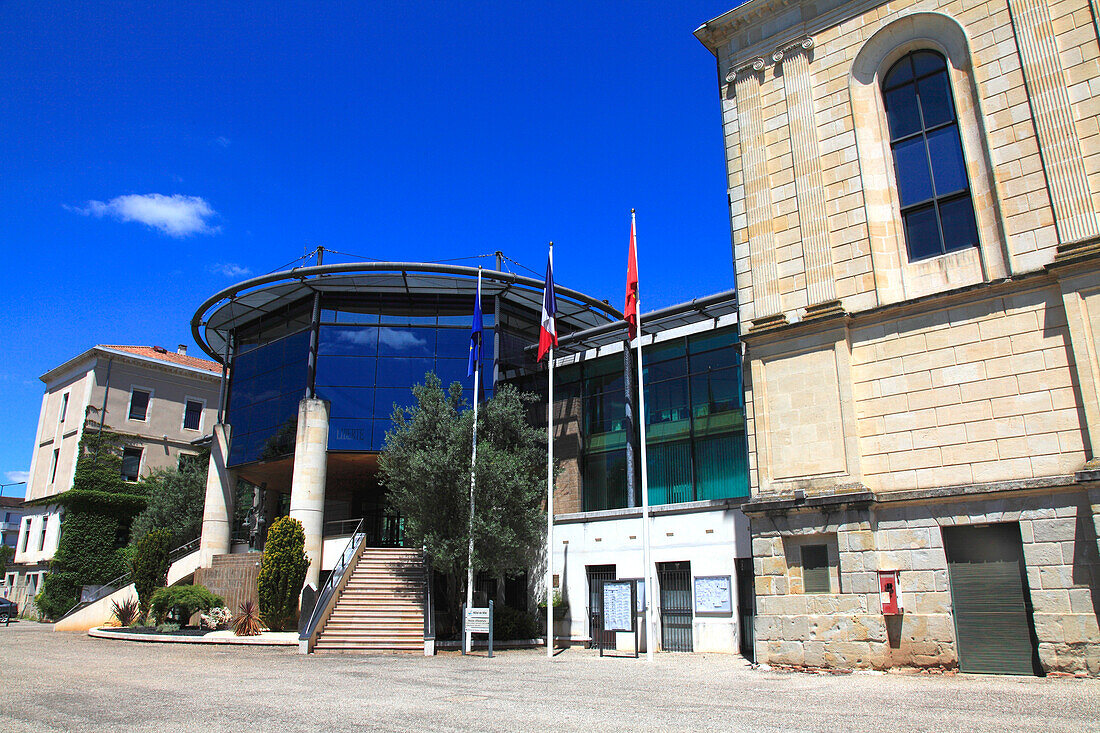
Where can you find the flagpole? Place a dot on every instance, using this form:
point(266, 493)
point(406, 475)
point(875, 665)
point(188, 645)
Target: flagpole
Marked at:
point(473, 473)
point(650, 587)
point(550, 498)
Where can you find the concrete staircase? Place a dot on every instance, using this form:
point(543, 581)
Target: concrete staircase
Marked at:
point(382, 606)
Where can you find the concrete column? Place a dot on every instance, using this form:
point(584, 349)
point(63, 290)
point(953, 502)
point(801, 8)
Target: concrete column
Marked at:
point(307, 488)
point(221, 491)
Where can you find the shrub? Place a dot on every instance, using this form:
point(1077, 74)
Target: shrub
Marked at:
point(182, 601)
point(282, 571)
point(511, 623)
point(149, 568)
point(167, 628)
point(126, 612)
point(216, 618)
point(247, 622)
point(175, 500)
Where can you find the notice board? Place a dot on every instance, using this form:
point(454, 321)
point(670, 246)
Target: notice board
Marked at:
point(618, 605)
point(712, 595)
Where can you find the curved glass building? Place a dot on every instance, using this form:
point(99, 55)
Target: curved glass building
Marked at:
point(316, 360)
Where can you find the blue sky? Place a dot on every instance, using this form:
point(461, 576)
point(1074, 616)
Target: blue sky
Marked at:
point(155, 153)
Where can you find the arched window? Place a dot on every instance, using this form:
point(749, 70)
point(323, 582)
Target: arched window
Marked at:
point(928, 158)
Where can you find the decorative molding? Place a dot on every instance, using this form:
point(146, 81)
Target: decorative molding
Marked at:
point(802, 44)
point(756, 64)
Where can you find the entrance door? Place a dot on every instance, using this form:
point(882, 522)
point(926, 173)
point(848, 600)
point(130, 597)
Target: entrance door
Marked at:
point(992, 606)
point(597, 574)
point(746, 607)
point(674, 579)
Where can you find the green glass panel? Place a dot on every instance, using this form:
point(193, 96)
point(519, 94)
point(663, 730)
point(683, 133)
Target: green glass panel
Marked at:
point(669, 467)
point(721, 467)
point(667, 410)
point(604, 481)
point(712, 340)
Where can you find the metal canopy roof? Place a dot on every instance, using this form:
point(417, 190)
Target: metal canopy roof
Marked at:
point(250, 299)
point(663, 319)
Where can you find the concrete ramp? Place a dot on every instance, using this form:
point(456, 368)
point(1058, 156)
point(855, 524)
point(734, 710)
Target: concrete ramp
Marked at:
point(101, 611)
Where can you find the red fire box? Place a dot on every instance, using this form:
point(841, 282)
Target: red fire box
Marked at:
point(888, 592)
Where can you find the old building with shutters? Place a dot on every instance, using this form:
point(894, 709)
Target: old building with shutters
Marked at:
point(913, 191)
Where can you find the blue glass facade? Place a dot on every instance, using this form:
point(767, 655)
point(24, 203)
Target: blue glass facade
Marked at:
point(370, 353)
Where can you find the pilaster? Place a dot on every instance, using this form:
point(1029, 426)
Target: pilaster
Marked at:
point(813, 220)
point(758, 201)
point(1059, 143)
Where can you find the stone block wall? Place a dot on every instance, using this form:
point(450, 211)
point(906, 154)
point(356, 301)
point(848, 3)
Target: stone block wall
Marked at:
point(848, 630)
point(233, 577)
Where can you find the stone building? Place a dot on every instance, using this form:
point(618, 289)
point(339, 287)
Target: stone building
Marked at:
point(160, 401)
point(913, 191)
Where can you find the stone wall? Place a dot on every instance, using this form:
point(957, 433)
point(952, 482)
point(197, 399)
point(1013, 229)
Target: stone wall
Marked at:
point(848, 630)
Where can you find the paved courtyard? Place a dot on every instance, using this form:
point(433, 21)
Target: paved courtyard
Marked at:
point(53, 681)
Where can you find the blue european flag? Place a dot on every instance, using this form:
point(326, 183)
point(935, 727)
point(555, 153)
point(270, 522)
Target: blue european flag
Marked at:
point(476, 333)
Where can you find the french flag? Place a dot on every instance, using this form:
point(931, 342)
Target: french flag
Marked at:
point(548, 331)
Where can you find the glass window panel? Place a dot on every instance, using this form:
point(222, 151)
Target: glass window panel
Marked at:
point(348, 371)
point(664, 370)
point(666, 405)
point(935, 100)
point(959, 229)
point(378, 438)
point(911, 167)
point(131, 462)
point(721, 467)
point(355, 402)
point(604, 481)
point(710, 340)
point(669, 467)
point(714, 360)
point(922, 233)
point(192, 415)
point(674, 349)
point(899, 74)
point(462, 319)
point(926, 62)
point(400, 372)
point(454, 370)
point(716, 391)
point(948, 168)
point(902, 112)
point(348, 434)
point(815, 569)
point(405, 341)
point(454, 342)
point(139, 404)
point(604, 412)
point(385, 399)
point(348, 341)
point(357, 313)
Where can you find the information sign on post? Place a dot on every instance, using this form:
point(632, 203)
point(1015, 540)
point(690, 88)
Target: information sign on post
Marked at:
point(478, 621)
point(619, 599)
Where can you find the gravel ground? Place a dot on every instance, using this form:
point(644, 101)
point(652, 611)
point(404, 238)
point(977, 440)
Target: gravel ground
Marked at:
point(55, 681)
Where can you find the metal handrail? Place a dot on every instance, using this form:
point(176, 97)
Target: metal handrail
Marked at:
point(328, 593)
point(429, 610)
point(124, 580)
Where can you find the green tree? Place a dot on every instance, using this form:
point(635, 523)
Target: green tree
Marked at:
point(6, 554)
point(98, 511)
point(425, 468)
point(149, 568)
point(176, 497)
point(282, 571)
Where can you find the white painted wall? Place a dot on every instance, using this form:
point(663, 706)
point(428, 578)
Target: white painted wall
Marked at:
point(709, 539)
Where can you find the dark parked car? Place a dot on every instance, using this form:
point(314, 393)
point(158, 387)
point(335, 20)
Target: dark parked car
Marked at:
point(8, 611)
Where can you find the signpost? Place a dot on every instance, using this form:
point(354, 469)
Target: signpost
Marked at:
point(620, 600)
point(477, 621)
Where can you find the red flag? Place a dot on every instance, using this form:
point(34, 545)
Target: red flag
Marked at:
point(630, 310)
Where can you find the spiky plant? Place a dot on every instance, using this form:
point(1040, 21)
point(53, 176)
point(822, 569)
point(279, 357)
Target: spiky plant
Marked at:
point(247, 620)
point(126, 612)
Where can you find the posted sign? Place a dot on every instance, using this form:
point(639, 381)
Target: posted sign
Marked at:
point(477, 620)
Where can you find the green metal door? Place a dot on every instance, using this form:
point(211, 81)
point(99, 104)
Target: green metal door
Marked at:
point(992, 609)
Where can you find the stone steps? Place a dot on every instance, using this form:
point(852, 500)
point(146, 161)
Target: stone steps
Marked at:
point(380, 608)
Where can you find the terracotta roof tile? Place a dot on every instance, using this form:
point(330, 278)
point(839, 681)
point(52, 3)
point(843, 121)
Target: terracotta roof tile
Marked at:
point(162, 354)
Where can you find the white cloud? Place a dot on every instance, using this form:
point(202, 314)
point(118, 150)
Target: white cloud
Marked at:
point(176, 215)
point(402, 341)
point(223, 141)
point(230, 269)
point(14, 477)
